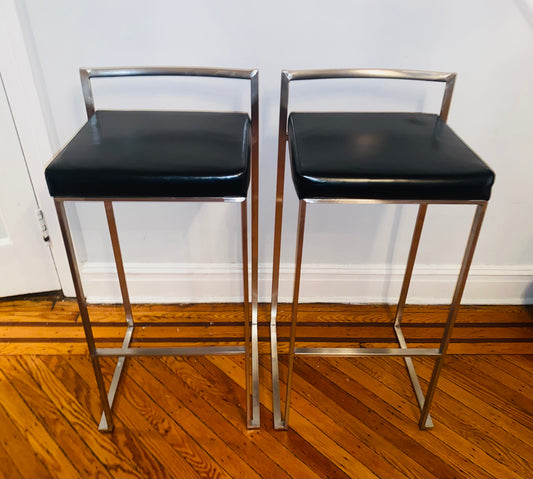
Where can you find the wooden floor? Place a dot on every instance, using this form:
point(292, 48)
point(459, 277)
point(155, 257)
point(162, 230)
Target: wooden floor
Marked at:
point(184, 417)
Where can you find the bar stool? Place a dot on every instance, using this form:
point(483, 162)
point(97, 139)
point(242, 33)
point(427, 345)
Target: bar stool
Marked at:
point(162, 156)
point(416, 159)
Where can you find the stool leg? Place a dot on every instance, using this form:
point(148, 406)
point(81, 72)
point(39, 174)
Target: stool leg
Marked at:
point(251, 417)
point(280, 184)
point(401, 304)
point(452, 315)
point(112, 225)
point(410, 263)
point(254, 85)
point(119, 263)
point(296, 293)
point(82, 304)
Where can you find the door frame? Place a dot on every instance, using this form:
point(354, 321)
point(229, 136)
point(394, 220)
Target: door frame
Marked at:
point(28, 115)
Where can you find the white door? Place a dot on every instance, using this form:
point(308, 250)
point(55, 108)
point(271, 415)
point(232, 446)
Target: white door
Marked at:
point(26, 264)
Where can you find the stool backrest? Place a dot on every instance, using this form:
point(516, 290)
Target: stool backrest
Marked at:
point(288, 76)
point(87, 73)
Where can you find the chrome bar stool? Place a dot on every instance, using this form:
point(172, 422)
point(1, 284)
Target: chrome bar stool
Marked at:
point(162, 156)
point(418, 160)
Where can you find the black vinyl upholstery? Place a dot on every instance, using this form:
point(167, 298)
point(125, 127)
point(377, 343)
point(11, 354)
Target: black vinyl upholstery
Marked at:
point(394, 156)
point(144, 154)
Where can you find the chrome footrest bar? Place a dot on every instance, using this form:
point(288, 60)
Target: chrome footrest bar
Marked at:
point(181, 351)
point(348, 352)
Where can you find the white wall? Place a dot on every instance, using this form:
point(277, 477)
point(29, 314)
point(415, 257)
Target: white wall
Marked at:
point(351, 253)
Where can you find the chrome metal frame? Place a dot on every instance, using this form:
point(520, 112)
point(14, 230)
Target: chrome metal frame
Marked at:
point(403, 351)
point(250, 349)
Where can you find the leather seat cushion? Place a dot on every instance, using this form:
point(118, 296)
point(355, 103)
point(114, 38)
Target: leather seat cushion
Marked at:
point(394, 156)
point(140, 154)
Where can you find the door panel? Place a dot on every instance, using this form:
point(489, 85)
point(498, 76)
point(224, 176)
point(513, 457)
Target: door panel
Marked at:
point(26, 264)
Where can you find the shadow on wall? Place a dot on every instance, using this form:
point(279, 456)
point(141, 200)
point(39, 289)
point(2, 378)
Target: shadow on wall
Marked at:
point(527, 298)
point(526, 8)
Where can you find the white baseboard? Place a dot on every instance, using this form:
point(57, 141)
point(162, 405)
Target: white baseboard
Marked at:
point(191, 283)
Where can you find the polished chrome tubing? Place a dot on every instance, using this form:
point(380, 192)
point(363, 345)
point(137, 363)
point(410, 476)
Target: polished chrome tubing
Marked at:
point(246, 305)
point(254, 97)
point(350, 352)
point(179, 351)
point(295, 297)
point(294, 75)
point(422, 209)
point(113, 72)
point(280, 184)
point(117, 374)
point(456, 302)
point(82, 305)
point(119, 264)
point(376, 73)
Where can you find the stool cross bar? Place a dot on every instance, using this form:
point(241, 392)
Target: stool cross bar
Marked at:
point(362, 193)
point(250, 348)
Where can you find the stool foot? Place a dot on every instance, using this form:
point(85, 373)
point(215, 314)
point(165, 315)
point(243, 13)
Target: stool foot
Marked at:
point(254, 422)
point(276, 398)
point(428, 423)
point(103, 426)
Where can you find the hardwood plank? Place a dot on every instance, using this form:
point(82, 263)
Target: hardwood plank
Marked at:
point(43, 346)
point(100, 447)
point(518, 408)
point(35, 316)
point(502, 446)
point(433, 454)
point(37, 435)
point(307, 428)
point(49, 414)
point(18, 448)
point(362, 435)
point(15, 305)
point(315, 311)
point(219, 388)
point(372, 408)
point(484, 373)
point(133, 434)
point(180, 415)
point(483, 330)
point(294, 444)
point(170, 370)
point(456, 386)
point(523, 364)
point(482, 410)
point(51, 349)
point(8, 469)
point(173, 439)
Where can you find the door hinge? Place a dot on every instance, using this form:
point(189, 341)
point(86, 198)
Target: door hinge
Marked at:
point(42, 223)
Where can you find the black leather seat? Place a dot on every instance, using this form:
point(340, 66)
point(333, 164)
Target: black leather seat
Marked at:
point(142, 154)
point(399, 156)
